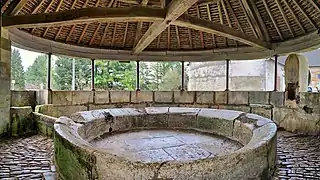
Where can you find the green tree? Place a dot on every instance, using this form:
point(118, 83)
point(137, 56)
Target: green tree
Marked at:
point(17, 72)
point(36, 74)
point(63, 73)
point(115, 75)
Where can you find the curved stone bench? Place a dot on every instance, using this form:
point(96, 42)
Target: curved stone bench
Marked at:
point(77, 158)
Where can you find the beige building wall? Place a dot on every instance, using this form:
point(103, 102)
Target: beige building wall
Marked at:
point(252, 75)
point(315, 77)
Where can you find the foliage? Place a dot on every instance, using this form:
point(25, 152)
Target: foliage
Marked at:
point(36, 74)
point(17, 72)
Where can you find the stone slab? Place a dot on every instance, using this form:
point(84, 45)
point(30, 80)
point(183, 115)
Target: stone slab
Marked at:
point(258, 97)
point(221, 97)
point(22, 121)
point(23, 98)
point(141, 96)
point(61, 97)
point(101, 97)
point(277, 98)
point(184, 97)
point(120, 96)
point(163, 96)
point(82, 97)
point(205, 97)
point(238, 97)
point(267, 113)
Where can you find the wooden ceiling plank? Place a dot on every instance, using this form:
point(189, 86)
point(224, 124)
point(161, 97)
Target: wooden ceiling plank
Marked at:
point(295, 16)
point(304, 13)
point(18, 7)
point(178, 37)
point(174, 10)
point(125, 35)
point(258, 18)
point(284, 17)
point(272, 19)
point(210, 19)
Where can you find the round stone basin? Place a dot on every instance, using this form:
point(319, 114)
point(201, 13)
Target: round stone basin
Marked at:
point(165, 145)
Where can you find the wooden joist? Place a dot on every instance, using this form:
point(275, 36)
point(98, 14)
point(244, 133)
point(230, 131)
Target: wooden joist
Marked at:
point(18, 7)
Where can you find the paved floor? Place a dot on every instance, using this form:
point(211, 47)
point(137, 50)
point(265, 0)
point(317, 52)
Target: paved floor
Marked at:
point(27, 158)
point(31, 158)
point(164, 145)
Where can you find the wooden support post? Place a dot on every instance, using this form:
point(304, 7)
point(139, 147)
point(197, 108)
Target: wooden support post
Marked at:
point(92, 75)
point(227, 74)
point(275, 72)
point(49, 72)
point(138, 76)
point(182, 75)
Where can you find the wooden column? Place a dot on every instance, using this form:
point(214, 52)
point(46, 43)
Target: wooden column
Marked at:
point(49, 72)
point(92, 75)
point(227, 74)
point(182, 75)
point(138, 76)
point(275, 72)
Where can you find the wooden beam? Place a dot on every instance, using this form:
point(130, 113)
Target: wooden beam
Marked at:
point(221, 22)
point(314, 5)
point(294, 16)
point(246, 9)
point(38, 6)
point(104, 34)
point(259, 19)
point(6, 4)
point(178, 37)
point(45, 11)
point(201, 34)
point(125, 34)
point(85, 15)
point(94, 34)
point(304, 13)
point(174, 10)
point(284, 17)
point(221, 30)
point(139, 24)
point(18, 7)
point(272, 19)
point(73, 26)
point(227, 16)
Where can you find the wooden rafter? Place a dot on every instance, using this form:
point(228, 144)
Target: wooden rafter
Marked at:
point(6, 4)
point(178, 37)
point(94, 34)
point(73, 26)
point(174, 10)
point(259, 20)
point(210, 19)
point(45, 11)
point(38, 6)
point(125, 35)
point(201, 34)
point(114, 33)
point(284, 17)
point(227, 17)
point(111, 3)
point(294, 16)
point(272, 19)
point(314, 5)
point(58, 8)
point(168, 44)
point(304, 13)
point(140, 24)
point(245, 9)
point(18, 7)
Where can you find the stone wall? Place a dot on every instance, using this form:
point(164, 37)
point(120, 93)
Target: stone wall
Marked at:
point(23, 98)
point(303, 117)
point(5, 80)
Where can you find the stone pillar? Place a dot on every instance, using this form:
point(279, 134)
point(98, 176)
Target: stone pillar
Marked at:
point(5, 78)
point(296, 75)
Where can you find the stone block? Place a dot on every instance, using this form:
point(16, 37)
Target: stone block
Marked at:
point(262, 111)
point(238, 97)
point(101, 97)
point(258, 97)
point(23, 98)
point(205, 97)
point(277, 98)
point(61, 97)
point(82, 97)
point(183, 117)
point(241, 133)
point(22, 121)
point(120, 96)
point(221, 97)
point(59, 110)
point(101, 106)
point(309, 99)
point(184, 97)
point(5, 121)
point(141, 96)
point(163, 96)
point(42, 97)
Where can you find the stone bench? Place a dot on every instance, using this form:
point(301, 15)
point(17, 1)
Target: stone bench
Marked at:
point(77, 158)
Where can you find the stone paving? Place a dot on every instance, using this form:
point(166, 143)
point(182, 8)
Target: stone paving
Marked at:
point(27, 158)
point(31, 158)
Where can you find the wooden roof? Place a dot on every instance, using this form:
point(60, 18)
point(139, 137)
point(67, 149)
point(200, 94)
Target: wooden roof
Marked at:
point(188, 30)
